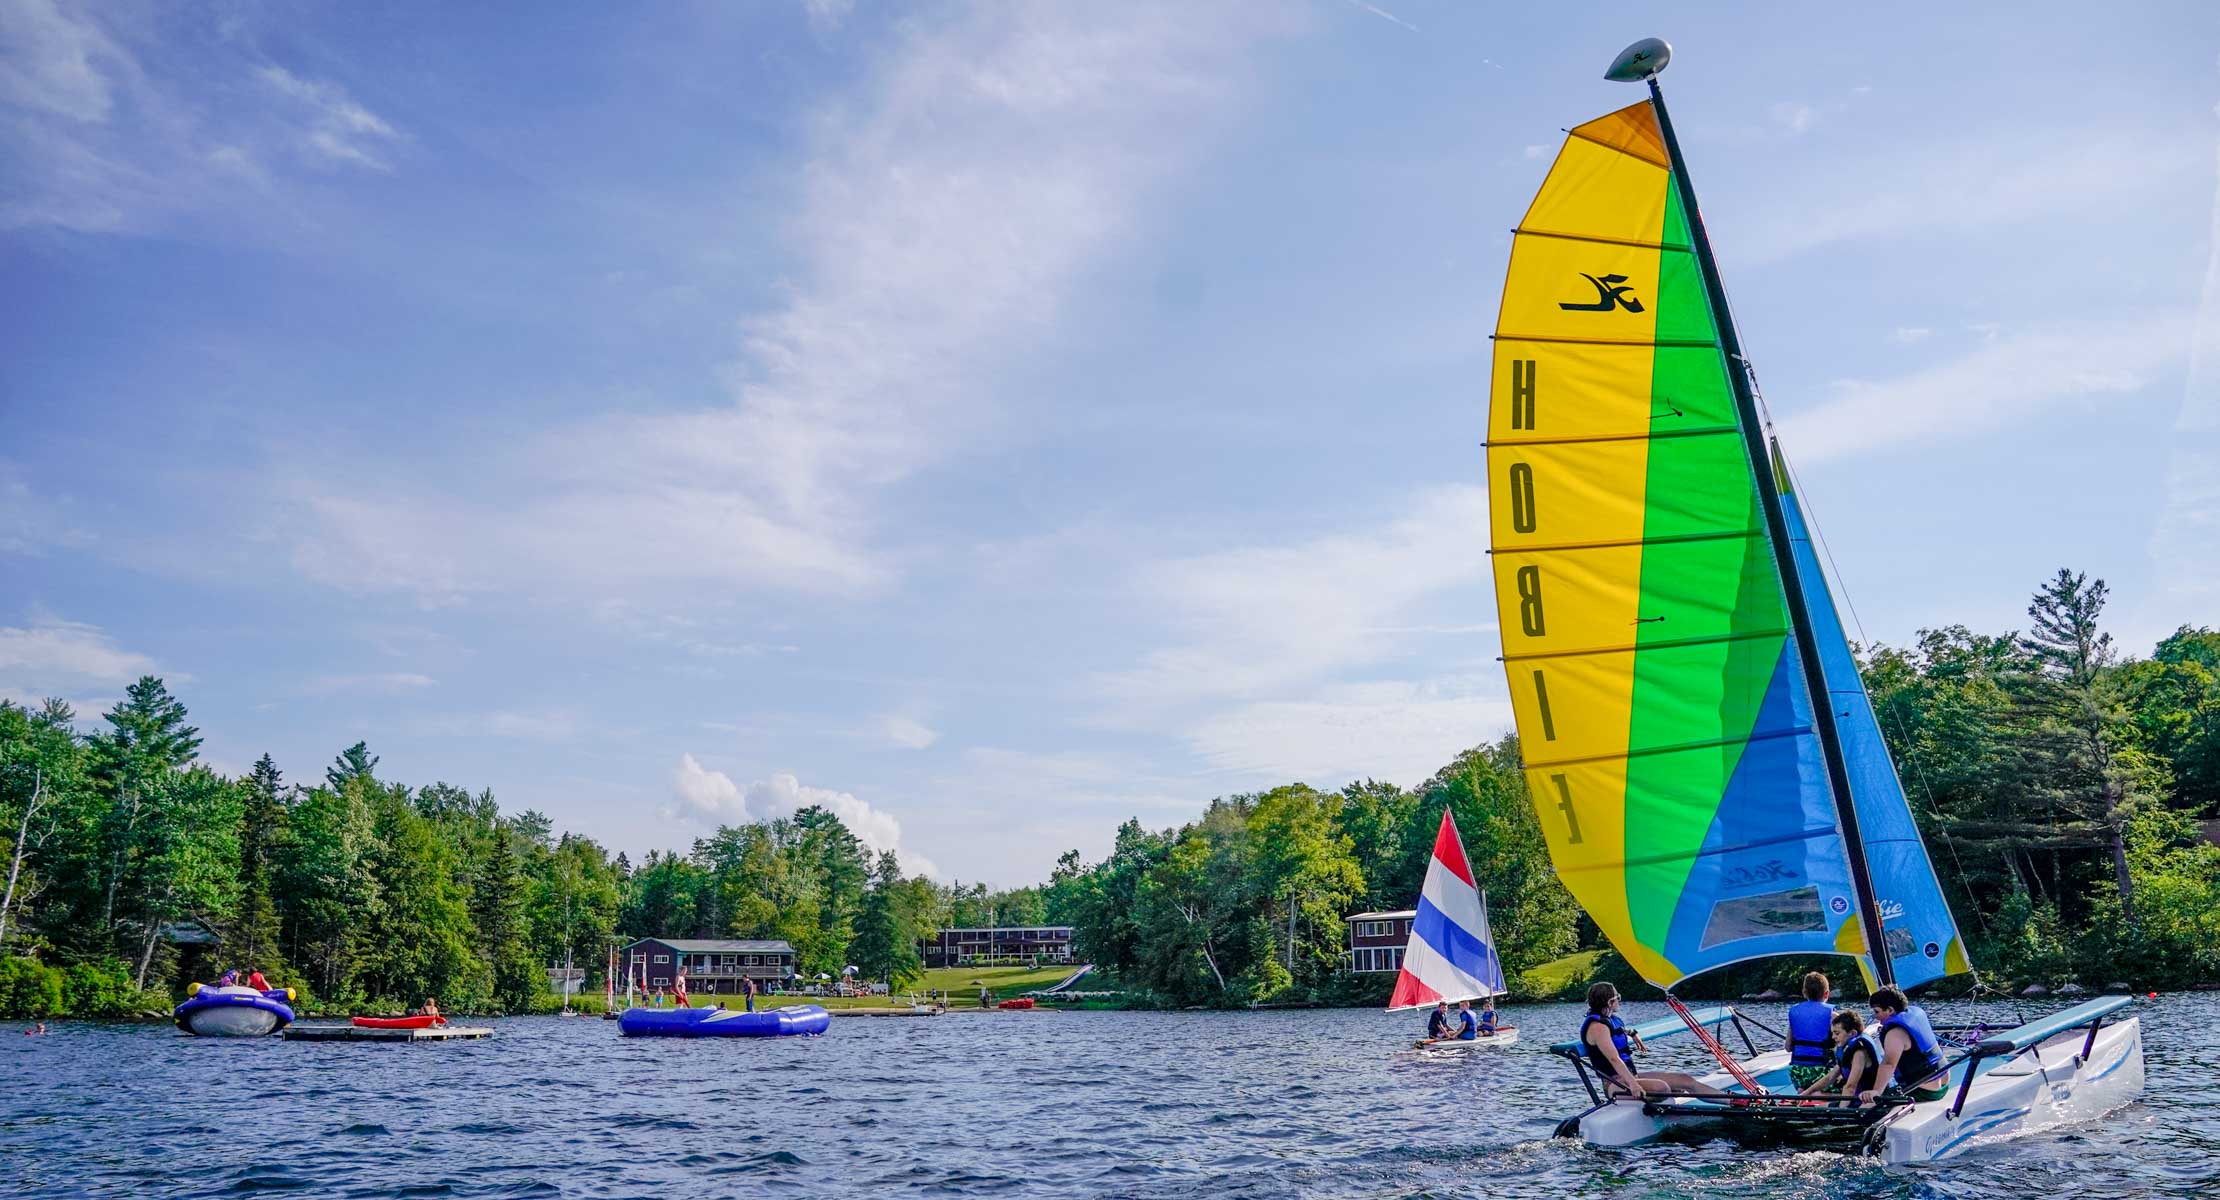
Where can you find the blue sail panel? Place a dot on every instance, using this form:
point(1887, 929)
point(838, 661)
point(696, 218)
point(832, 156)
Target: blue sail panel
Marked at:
point(1772, 877)
point(1923, 939)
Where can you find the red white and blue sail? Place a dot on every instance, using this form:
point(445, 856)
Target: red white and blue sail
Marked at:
point(1451, 955)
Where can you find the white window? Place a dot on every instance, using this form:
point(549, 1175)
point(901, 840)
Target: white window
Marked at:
point(662, 958)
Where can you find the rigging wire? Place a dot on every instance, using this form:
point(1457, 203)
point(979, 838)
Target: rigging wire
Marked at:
point(1934, 809)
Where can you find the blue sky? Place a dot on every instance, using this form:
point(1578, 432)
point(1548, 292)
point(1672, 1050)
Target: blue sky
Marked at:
point(996, 421)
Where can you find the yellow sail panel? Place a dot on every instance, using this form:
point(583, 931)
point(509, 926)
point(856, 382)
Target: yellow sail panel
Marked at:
point(1587, 385)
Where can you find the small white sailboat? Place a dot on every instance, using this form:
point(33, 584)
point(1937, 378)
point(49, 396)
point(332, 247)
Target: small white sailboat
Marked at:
point(1451, 953)
point(1701, 752)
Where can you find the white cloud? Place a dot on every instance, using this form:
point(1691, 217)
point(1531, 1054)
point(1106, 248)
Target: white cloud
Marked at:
point(936, 228)
point(1963, 185)
point(114, 129)
point(909, 733)
point(827, 15)
point(713, 797)
point(1794, 116)
point(338, 129)
point(553, 725)
point(51, 649)
point(1402, 732)
point(1911, 334)
point(1536, 151)
point(2188, 529)
point(1263, 619)
point(30, 523)
point(1383, 14)
point(380, 681)
point(48, 61)
point(2007, 380)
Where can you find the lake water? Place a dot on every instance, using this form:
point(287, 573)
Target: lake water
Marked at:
point(1207, 1105)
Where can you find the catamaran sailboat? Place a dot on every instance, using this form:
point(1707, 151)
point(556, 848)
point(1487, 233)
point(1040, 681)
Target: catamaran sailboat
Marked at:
point(1699, 745)
point(1451, 955)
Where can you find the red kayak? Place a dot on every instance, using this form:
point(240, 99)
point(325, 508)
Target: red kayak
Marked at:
point(399, 1022)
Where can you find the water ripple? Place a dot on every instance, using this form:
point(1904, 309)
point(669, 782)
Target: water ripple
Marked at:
point(1175, 1106)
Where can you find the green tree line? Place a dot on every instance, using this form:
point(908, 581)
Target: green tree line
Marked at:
point(2067, 794)
point(121, 848)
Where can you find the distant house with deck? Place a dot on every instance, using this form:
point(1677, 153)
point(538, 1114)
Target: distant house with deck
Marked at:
point(711, 965)
point(1376, 940)
point(998, 944)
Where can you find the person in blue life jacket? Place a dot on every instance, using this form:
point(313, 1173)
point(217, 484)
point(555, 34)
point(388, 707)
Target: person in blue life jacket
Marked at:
point(1468, 1026)
point(1437, 1022)
point(1610, 1047)
point(1487, 1017)
point(1811, 1044)
point(1857, 1058)
point(1911, 1055)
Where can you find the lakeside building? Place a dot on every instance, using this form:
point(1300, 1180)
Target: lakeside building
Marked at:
point(711, 965)
point(998, 945)
point(1376, 940)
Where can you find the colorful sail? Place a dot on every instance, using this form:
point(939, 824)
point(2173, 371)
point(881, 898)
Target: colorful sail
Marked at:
point(1922, 937)
point(1661, 704)
point(1451, 955)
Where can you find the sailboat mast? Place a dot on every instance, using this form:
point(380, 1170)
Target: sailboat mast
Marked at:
point(1784, 557)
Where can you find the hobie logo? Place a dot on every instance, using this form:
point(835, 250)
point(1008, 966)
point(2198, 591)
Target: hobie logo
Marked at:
point(1839, 905)
point(1890, 910)
point(1611, 292)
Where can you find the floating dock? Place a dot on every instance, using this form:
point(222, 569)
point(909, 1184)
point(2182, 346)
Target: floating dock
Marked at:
point(356, 1033)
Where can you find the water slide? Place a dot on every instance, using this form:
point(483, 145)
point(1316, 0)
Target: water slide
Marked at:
point(1069, 980)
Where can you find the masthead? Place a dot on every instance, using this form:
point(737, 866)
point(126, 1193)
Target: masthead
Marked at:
point(1640, 61)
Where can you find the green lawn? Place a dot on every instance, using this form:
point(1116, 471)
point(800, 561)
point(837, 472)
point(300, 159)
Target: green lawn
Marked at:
point(1555, 976)
point(962, 983)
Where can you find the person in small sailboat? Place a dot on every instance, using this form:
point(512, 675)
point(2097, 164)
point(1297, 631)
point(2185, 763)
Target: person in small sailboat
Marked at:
point(1487, 1017)
point(1911, 1055)
point(1611, 1047)
point(1437, 1022)
point(1857, 1058)
point(1811, 1045)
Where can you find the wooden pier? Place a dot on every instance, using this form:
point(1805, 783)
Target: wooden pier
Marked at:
point(357, 1033)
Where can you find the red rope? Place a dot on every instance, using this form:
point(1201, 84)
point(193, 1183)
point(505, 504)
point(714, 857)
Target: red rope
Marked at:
point(1718, 1051)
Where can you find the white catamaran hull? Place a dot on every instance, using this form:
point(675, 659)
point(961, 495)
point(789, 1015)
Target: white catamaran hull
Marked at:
point(2049, 1085)
point(1501, 1037)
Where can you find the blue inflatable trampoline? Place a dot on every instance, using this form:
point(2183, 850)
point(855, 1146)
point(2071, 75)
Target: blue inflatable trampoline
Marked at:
point(216, 1011)
point(797, 1020)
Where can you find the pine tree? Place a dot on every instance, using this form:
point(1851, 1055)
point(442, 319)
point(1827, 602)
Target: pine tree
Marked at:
point(499, 909)
point(253, 940)
point(2075, 736)
point(355, 762)
point(147, 741)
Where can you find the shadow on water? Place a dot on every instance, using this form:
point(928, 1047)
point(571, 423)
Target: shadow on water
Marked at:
point(1143, 1105)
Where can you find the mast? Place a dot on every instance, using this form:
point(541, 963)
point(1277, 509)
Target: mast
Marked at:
point(1641, 62)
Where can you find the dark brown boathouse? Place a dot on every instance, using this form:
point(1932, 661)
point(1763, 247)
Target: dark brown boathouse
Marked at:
point(1376, 940)
point(711, 965)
